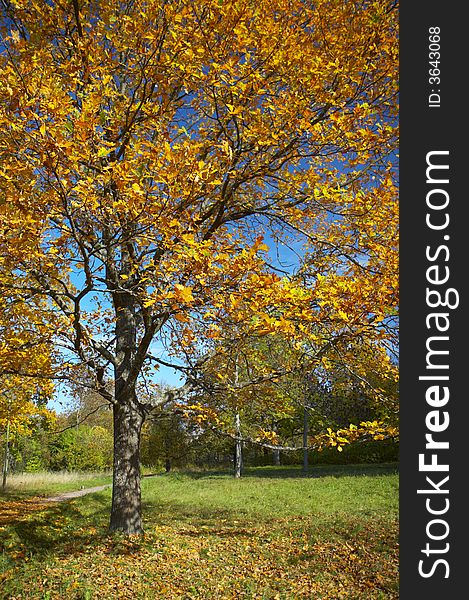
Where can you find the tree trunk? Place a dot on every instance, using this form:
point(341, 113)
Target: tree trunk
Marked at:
point(275, 452)
point(305, 440)
point(238, 462)
point(126, 513)
point(238, 458)
point(276, 455)
point(6, 459)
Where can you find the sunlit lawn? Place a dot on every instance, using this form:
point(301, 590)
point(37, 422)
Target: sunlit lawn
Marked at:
point(23, 485)
point(272, 534)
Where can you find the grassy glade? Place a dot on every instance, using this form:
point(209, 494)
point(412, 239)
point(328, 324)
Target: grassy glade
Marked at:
point(44, 483)
point(272, 534)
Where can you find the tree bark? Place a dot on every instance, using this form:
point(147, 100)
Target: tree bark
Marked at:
point(238, 457)
point(126, 510)
point(6, 459)
point(305, 440)
point(238, 462)
point(126, 513)
point(275, 453)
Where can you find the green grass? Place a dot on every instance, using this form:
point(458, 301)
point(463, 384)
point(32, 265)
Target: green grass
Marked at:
point(273, 534)
point(266, 491)
point(46, 483)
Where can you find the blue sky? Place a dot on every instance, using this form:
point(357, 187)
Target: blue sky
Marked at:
point(279, 255)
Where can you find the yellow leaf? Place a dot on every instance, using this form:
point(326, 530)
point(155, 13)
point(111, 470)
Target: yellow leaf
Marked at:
point(183, 293)
point(103, 152)
point(181, 317)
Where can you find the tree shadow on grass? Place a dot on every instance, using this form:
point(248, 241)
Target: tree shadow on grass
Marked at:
point(14, 495)
point(369, 470)
point(52, 527)
point(294, 472)
point(76, 526)
point(70, 528)
point(197, 520)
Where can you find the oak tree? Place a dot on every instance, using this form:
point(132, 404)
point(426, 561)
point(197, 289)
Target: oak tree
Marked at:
point(150, 149)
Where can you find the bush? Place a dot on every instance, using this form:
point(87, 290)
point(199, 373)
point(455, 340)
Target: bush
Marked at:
point(82, 448)
point(372, 452)
point(366, 452)
point(30, 454)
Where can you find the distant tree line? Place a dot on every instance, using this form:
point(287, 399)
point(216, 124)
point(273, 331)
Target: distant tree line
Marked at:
point(81, 439)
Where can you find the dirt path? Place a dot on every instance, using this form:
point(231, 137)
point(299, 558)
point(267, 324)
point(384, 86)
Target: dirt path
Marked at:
point(12, 511)
point(75, 494)
point(83, 492)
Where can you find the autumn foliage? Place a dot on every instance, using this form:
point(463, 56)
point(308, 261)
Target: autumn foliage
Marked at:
point(154, 155)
